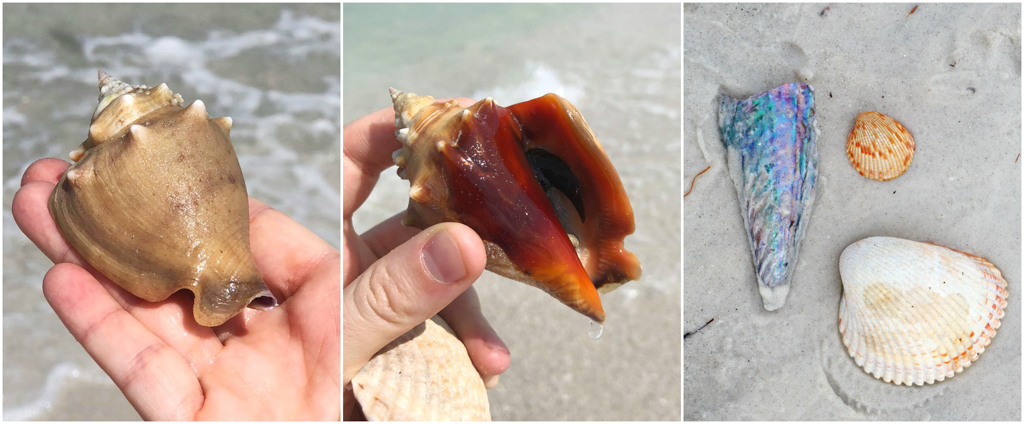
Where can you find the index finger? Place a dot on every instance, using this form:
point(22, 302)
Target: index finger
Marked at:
point(31, 211)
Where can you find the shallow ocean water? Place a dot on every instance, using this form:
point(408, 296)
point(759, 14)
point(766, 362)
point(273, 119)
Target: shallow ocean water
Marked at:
point(619, 64)
point(273, 69)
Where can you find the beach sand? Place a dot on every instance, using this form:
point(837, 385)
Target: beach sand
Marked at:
point(951, 75)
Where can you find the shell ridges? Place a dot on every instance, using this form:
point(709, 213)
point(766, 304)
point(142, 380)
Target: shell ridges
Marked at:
point(917, 313)
point(437, 380)
point(879, 147)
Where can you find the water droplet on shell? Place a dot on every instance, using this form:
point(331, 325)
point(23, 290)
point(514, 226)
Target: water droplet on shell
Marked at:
point(596, 330)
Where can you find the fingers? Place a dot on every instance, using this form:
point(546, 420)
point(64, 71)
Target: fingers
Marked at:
point(31, 211)
point(286, 253)
point(406, 287)
point(46, 170)
point(366, 150)
point(388, 234)
point(155, 379)
point(489, 354)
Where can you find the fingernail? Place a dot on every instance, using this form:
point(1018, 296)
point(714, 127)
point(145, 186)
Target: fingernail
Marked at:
point(443, 259)
point(490, 381)
point(494, 342)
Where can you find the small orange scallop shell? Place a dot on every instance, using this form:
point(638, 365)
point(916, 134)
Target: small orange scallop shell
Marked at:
point(879, 147)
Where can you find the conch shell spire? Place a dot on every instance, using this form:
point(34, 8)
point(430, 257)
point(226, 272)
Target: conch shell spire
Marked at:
point(124, 109)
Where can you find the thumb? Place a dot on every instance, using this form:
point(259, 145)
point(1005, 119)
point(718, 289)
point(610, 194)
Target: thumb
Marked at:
point(408, 286)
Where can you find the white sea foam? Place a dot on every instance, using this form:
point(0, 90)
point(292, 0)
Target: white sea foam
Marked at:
point(58, 377)
point(540, 78)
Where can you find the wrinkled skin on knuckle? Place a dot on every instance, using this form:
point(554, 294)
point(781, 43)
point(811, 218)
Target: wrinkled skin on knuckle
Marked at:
point(387, 297)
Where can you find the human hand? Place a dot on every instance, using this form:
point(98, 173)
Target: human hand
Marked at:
point(396, 277)
point(261, 365)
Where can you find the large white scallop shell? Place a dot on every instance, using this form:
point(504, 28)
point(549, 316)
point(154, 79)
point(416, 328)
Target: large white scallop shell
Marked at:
point(917, 313)
point(424, 375)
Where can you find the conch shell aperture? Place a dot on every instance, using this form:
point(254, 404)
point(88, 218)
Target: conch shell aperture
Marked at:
point(156, 201)
point(531, 180)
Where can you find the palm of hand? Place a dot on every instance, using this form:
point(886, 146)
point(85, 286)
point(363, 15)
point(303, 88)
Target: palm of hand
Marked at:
point(276, 364)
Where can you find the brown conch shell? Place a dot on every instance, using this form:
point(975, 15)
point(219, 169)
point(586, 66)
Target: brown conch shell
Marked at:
point(531, 180)
point(157, 203)
point(424, 375)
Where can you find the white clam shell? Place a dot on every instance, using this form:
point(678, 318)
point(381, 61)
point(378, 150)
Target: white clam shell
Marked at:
point(424, 375)
point(917, 313)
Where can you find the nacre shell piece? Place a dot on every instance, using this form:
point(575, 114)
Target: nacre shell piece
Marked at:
point(156, 202)
point(878, 147)
point(773, 162)
point(531, 180)
point(917, 313)
point(424, 375)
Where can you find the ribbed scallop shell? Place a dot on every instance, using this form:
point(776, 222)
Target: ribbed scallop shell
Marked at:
point(917, 313)
point(424, 375)
point(879, 147)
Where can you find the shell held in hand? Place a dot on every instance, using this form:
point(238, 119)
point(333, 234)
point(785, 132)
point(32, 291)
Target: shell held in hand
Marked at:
point(424, 375)
point(156, 202)
point(917, 313)
point(531, 180)
point(878, 147)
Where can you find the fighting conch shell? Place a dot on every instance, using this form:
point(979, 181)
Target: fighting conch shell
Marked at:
point(156, 202)
point(531, 180)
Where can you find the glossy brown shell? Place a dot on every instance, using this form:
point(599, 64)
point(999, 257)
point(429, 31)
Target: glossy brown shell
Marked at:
point(475, 165)
point(157, 203)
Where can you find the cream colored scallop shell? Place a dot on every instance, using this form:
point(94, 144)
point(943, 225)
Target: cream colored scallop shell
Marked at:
point(879, 147)
point(424, 375)
point(917, 313)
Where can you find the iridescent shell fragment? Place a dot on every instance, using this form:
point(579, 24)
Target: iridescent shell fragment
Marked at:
point(878, 147)
point(156, 202)
point(917, 313)
point(773, 162)
point(531, 180)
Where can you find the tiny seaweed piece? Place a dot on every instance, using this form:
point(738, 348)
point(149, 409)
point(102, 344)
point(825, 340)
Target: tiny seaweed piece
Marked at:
point(688, 334)
point(694, 180)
